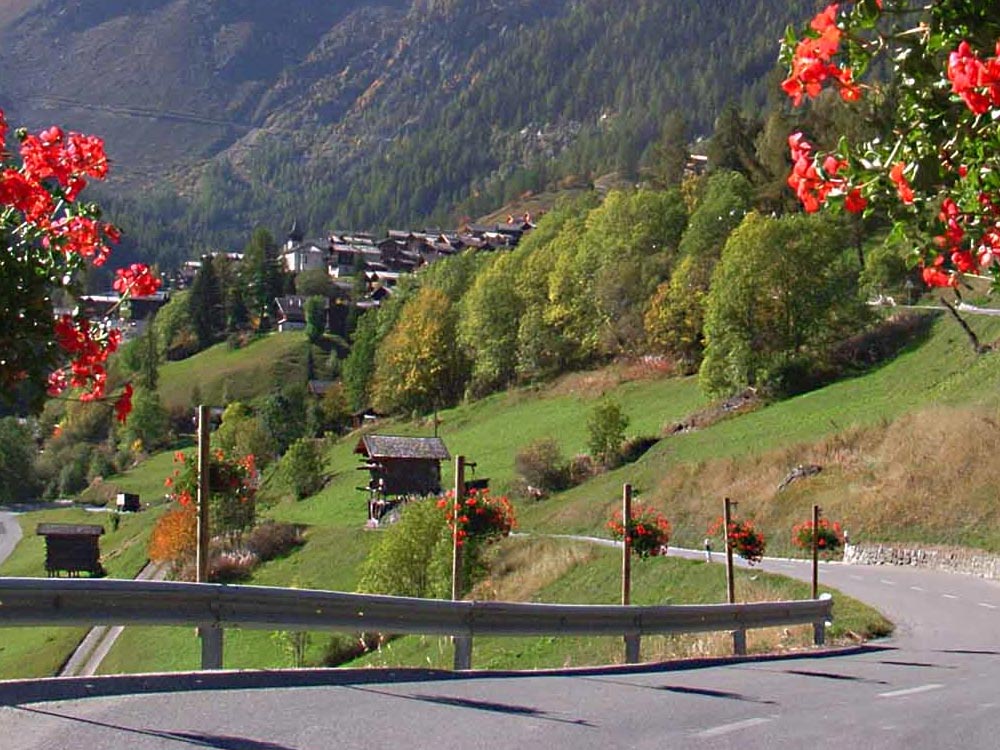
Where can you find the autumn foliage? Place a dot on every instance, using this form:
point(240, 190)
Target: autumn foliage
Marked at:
point(174, 537)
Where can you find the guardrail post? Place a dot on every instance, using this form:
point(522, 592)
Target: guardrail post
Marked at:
point(819, 627)
point(211, 646)
point(632, 643)
point(740, 642)
point(819, 633)
point(463, 651)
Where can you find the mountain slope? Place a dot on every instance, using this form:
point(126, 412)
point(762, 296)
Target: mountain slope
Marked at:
point(373, 112)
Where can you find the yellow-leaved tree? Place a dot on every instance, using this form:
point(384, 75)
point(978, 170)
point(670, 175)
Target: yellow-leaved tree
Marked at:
point(419, 366)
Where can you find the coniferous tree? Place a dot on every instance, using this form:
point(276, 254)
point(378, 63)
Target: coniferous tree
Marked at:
point(205, 304)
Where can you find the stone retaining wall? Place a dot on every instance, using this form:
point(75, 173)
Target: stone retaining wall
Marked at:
point(952, 559)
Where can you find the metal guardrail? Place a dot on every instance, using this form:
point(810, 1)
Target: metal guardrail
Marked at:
point(212, 607)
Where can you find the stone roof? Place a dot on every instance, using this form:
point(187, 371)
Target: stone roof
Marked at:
point(392, 446)
point(68, 529)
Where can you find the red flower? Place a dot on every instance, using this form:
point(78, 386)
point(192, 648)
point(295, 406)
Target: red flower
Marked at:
point(855, 203)
point(137, 281)
point(903, 188)
point(123, 406)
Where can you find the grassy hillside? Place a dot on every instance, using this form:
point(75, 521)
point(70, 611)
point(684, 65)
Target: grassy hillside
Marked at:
point(221, 375)
point(908, 453)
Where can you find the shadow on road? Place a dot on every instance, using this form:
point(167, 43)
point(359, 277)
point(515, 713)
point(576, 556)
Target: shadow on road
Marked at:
point(478, 705)
point(221, 742)
point(19, 692)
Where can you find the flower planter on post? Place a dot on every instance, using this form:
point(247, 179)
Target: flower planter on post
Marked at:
point(643, 532)
point(818, 536)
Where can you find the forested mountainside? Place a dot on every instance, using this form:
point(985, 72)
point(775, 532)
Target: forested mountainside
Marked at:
point(365, 113)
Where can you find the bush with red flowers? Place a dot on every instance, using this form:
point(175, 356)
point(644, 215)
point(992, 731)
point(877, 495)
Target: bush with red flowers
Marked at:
point(829, 536)
point(50, 239)
point(746, 540)
point(480, 515)
point(232, 483)
point(647, 530)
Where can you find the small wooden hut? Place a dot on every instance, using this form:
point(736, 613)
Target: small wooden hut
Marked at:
point(74, 548)
point(400, 468)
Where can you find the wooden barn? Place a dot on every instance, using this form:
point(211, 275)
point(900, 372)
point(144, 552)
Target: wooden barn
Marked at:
point(400, 468)
point(74, 548)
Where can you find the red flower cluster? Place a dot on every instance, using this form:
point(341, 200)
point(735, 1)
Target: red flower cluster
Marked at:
point(745, 539)
point(89, 346)
point(829, 536)
point(903, 188)
point(55, 166)
point(811, 64)
point(67, 159)
point(647, 531)
point(83, 236)
point(235, 478)
point(813, 182)
point(135, 281)
point(976, 81)
point(480, 515)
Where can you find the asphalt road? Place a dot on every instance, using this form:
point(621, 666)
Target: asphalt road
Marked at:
point(936, 684)
point(10, 534)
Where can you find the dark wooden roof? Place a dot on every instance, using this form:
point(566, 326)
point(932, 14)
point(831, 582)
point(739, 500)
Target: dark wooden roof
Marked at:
point(391, 446)
point(68, 529)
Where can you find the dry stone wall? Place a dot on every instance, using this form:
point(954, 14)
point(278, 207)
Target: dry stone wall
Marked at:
point(951, 559)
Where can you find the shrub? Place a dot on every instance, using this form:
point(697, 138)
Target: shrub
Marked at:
point(273, 539)
point(647, 530)
point(581, 468)
point(231, 567)
point(606, 428)
point(542, 465)
point(301, 468)
point(174, 536)
point(400, 562)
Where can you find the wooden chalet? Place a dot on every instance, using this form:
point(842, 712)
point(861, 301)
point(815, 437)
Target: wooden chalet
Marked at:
point(400, 468)
point(74, 548)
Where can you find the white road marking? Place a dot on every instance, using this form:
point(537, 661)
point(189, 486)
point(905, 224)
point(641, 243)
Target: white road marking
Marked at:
point(949, 596)
point(736, 726)
point(988, 606)
point(916, 588)
point(887, 583)
point(911, 691)
point(857, 578)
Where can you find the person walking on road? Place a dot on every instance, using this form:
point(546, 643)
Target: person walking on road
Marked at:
point(708, 549)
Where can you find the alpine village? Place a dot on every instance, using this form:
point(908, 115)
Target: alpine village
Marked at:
point(363, 338)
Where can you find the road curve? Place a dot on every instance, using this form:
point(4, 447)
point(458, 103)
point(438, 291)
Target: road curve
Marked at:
point(934, 685)
point(10, 534)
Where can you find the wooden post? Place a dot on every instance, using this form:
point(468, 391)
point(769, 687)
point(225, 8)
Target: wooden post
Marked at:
point(456, 540)
point(203, 533)
point(727, 518)
point(461, 643)
point(815, 550)
point(631, 640)
point(626, 546)
point(211, 637)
